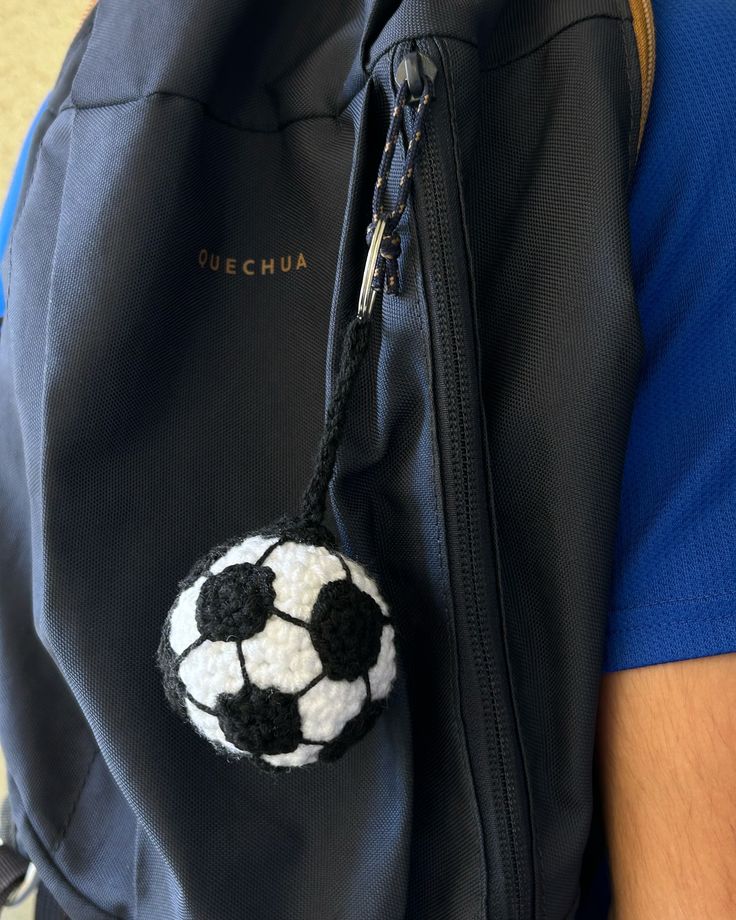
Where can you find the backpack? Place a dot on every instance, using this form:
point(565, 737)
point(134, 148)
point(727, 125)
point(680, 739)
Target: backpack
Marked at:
point(186, 256)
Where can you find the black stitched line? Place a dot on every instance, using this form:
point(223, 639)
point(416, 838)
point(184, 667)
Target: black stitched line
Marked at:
point(241, 660)
point(290, 619)
point(190, 648)
point(367, 682)
point(99, 911)
point(552, 37)
point(72, 812)
point(199, 705)
point(345, 568)
point(289, 122)
point(312, 683)
point(633, 129)
point(269, 549)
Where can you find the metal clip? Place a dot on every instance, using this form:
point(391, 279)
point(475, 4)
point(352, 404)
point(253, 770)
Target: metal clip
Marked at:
point(28, 884)
point(367, 297)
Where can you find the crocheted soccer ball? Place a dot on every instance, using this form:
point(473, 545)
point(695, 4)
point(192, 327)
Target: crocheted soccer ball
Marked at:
point(278, 650)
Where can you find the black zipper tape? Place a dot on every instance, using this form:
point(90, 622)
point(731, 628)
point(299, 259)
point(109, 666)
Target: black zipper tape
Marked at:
point(498, 806)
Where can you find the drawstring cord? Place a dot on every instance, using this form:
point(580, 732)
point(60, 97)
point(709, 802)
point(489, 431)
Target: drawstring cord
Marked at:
point(386, 272)
point(353, 348)
point(383, 277)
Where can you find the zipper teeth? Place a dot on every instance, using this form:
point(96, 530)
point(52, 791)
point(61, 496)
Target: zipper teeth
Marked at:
point(465, 502)
point(643, 21)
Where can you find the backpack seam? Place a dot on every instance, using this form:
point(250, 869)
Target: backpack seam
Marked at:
point(634, 99)
point(553, 36)
point(62, 876)
point(333, 115)
point(61, 836)
point(368, 73)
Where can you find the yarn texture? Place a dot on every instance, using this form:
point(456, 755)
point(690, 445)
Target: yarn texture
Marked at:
point(278, 647)
point(279, 650)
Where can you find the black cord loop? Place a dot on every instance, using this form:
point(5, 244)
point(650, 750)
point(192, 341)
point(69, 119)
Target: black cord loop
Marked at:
point(386, 274)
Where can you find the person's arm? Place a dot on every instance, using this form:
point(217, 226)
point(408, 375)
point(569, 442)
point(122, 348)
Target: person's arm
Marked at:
point(667, 760)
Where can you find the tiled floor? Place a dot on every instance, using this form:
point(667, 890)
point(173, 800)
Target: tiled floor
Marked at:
point(34, 37)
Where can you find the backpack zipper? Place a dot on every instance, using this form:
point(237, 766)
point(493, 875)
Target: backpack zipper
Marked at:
point(642, 16)
point(448, 321)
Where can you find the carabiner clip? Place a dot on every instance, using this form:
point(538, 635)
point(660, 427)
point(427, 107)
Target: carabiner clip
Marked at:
point(367, 297)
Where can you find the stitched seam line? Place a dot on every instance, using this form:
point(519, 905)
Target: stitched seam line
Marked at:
point(633, 132)
point(286, 124)
point(551, 38)
point(73, 809)
point(30, 829)
point(168, 94)
point(368, 74)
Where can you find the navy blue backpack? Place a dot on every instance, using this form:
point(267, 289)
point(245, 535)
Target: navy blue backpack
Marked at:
point(217, 197)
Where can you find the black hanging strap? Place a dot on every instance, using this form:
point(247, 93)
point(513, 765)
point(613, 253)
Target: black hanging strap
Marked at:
point(382, 275)
point(353, 348)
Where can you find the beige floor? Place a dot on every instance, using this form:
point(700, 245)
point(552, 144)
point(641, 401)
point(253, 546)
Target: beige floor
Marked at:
point(33, 39)
point(34, 36)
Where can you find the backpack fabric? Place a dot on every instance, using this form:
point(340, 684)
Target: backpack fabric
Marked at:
point(187, 252)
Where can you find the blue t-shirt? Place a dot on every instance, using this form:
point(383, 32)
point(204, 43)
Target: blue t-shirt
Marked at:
point(674, 580)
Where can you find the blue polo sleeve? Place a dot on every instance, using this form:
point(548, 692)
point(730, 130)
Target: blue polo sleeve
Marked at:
point(12, 197)
point(674, 581)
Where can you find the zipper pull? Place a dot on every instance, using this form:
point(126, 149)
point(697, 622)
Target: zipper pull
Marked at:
point(414, 77)
point(416, 68)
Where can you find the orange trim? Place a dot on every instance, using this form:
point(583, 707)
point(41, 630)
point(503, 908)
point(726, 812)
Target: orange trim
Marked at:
point(643, 21)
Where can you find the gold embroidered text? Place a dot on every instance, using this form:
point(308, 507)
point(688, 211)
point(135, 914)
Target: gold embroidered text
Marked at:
point(229, 265)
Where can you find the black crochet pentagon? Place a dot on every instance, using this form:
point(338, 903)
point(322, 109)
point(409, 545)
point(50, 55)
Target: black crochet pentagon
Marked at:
point(236, 602)
point(260, 721)
point(206, 560)
point(346, 630)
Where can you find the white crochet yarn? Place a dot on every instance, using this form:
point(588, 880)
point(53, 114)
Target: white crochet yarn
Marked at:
point(281, 650)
